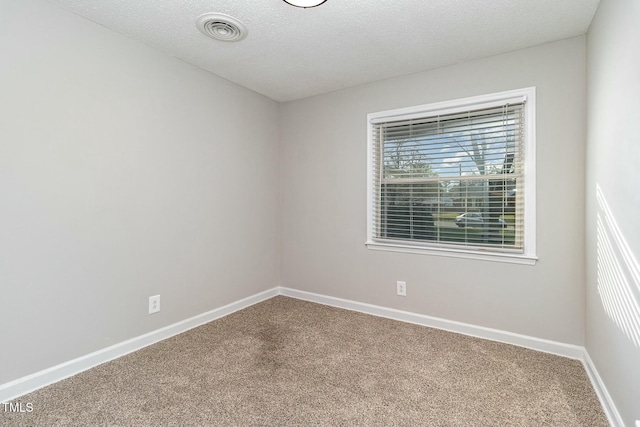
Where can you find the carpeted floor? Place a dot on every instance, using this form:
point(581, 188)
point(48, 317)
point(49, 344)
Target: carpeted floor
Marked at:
point(288, 362)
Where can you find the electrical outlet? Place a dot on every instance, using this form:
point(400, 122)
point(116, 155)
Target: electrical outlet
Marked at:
point(401, 288)
point(637, 423)
point(154, 304)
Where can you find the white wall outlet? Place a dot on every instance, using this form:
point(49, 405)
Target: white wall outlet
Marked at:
point(154, 304)
point(637, 423)
point(401, 288)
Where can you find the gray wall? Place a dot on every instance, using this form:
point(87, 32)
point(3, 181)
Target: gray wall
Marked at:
point(124, 173)
point(613, 202)
point(323, 182)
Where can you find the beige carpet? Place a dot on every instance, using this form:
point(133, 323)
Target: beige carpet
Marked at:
point(289, 362)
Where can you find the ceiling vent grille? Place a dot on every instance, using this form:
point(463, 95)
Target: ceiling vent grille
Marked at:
point(221, 27)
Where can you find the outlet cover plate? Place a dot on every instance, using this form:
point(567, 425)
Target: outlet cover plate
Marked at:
point(154, 304)
point(401, 288)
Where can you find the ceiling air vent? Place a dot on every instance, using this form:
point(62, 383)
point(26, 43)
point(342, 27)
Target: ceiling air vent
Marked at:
point(221, 27)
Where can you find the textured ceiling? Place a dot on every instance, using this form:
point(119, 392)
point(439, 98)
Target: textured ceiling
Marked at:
point(293, 53)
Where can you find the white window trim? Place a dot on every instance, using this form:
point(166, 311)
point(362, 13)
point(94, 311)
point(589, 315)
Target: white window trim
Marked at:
point(528, 257)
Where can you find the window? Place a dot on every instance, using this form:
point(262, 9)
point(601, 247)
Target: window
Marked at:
point(455, 178)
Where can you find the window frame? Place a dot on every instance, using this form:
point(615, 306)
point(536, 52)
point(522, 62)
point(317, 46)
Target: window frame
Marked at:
point(528, 256)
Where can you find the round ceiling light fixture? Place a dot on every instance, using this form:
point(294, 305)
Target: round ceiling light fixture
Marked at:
point(305, 3)
point(221, 27)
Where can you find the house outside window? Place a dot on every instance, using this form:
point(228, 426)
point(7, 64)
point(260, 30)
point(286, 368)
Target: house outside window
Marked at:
point(455, 178)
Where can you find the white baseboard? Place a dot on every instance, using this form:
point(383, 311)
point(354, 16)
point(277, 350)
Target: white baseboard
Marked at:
point(547, 346)
point(29, 383)
point(601, 390)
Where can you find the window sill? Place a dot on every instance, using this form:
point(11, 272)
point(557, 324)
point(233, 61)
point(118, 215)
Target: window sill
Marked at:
point(455, 253)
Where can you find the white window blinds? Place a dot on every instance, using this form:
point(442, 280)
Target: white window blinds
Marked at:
point(450, 179)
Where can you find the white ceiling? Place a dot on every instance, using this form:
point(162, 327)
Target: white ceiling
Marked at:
point(293, 53)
